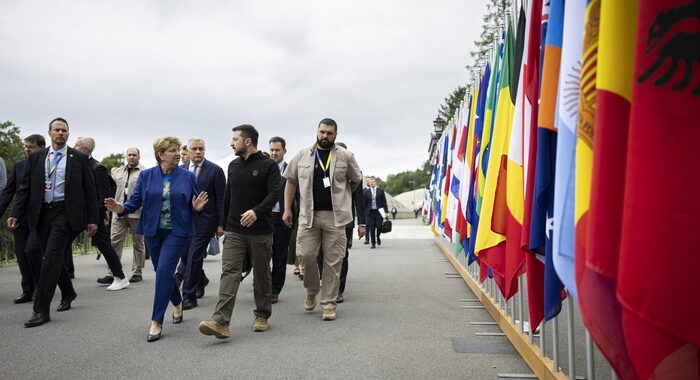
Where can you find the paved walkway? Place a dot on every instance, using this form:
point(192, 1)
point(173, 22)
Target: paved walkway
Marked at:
point(401, 319)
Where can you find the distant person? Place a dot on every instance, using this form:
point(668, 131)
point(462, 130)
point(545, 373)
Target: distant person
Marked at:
point(167, 195)
point(207, 224)
point(3, 174)
point(106, 187)
point(394, 211)
point(126, 177)
point(326, 175)
point(375, 202)
point(252, 190)
point(184, 155)
point(58, 198)
point(26, 246)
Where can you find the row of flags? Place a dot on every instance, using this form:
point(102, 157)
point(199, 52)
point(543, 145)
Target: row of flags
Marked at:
point(574, 158)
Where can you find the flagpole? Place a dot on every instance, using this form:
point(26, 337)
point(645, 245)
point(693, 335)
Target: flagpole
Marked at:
point(570, 338)
point(542, 334)
point(520, 304)
point(555, 343)
point(590, 363)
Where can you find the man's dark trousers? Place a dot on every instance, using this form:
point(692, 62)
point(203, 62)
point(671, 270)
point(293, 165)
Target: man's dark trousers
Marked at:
point(103, 242)
point(29, 258)
point(68, 260)
point(280, 248)
point(374, 225)
point(55, 235)
point(193, 276)
point(344, 270)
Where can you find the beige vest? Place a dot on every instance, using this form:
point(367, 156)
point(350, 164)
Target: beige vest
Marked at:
point(345, 176)
point(119, 175)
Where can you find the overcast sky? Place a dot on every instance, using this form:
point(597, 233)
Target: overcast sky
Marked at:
point(126, 72)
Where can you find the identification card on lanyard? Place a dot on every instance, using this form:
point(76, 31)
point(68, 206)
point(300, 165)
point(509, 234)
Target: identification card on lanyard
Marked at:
point(50, 178)
point(326, 177)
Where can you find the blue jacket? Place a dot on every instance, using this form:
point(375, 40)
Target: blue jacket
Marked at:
point(148, 193)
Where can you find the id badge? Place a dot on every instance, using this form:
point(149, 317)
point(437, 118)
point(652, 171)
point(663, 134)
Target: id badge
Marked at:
point(47, 185)
point(326, 182)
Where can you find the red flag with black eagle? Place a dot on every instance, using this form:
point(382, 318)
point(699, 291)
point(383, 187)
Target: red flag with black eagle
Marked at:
point(659, 260)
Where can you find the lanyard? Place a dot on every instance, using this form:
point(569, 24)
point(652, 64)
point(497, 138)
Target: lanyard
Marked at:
point(53, 167)
point(328, 162)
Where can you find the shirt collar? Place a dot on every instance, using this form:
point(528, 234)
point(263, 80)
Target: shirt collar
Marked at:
point(62, 150)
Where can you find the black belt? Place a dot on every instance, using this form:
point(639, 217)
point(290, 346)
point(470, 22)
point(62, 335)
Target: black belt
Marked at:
point(54, 204)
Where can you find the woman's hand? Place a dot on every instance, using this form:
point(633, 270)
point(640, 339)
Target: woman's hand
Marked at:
point(200, 200)
point(113, 206)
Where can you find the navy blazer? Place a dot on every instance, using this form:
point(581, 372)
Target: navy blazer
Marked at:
point(212, 180)
point(283, 183)
point(381, 200)
point(148, 193)
point(358, 209)
point(16, 175)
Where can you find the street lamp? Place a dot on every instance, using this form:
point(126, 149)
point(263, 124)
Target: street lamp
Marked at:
point(439, 125)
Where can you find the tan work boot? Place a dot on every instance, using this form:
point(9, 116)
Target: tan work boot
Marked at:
point(260, 324)
point(328, 315)
point(215, 328)
point(310, 302)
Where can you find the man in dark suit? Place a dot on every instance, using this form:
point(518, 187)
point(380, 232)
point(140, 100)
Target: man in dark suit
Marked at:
point(27, 249)
point(210, 221)
point(375, 200)
point(282, 233)
point(58, 198)
point(106, 187)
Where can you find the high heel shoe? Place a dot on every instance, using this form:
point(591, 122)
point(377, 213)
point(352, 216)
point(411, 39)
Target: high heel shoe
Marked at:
point(177, 320)
point(154, 337)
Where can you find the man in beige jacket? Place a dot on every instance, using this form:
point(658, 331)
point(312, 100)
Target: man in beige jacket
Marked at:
point(126, 177)
point(326, 175)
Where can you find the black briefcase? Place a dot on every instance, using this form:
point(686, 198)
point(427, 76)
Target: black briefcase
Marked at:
point(386, 226)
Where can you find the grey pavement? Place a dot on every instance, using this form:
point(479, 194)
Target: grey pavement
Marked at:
point(401, 319)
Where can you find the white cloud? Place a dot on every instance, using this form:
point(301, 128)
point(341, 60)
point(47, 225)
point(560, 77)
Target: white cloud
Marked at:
point(128, 72)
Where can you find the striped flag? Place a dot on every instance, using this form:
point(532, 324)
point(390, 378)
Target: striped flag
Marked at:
point(543, 200)
point(531, 84)
point(472, 202)
point(493, 225)
point(567, 121)
point(600, 310)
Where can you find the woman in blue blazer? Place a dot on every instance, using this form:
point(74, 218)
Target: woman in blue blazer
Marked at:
point(168, 195)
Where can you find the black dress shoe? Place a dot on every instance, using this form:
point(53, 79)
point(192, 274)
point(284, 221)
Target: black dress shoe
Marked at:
point(340, 298)
point(366, 242)
point(135, 278)
point(37, 319)
point(373, 246)
point(188, 304)
point(66, 303)
point(379, 241)
point(107, 280)
point(71, 276)
point(152, 338)
point(200, 291)
point(24, 298)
